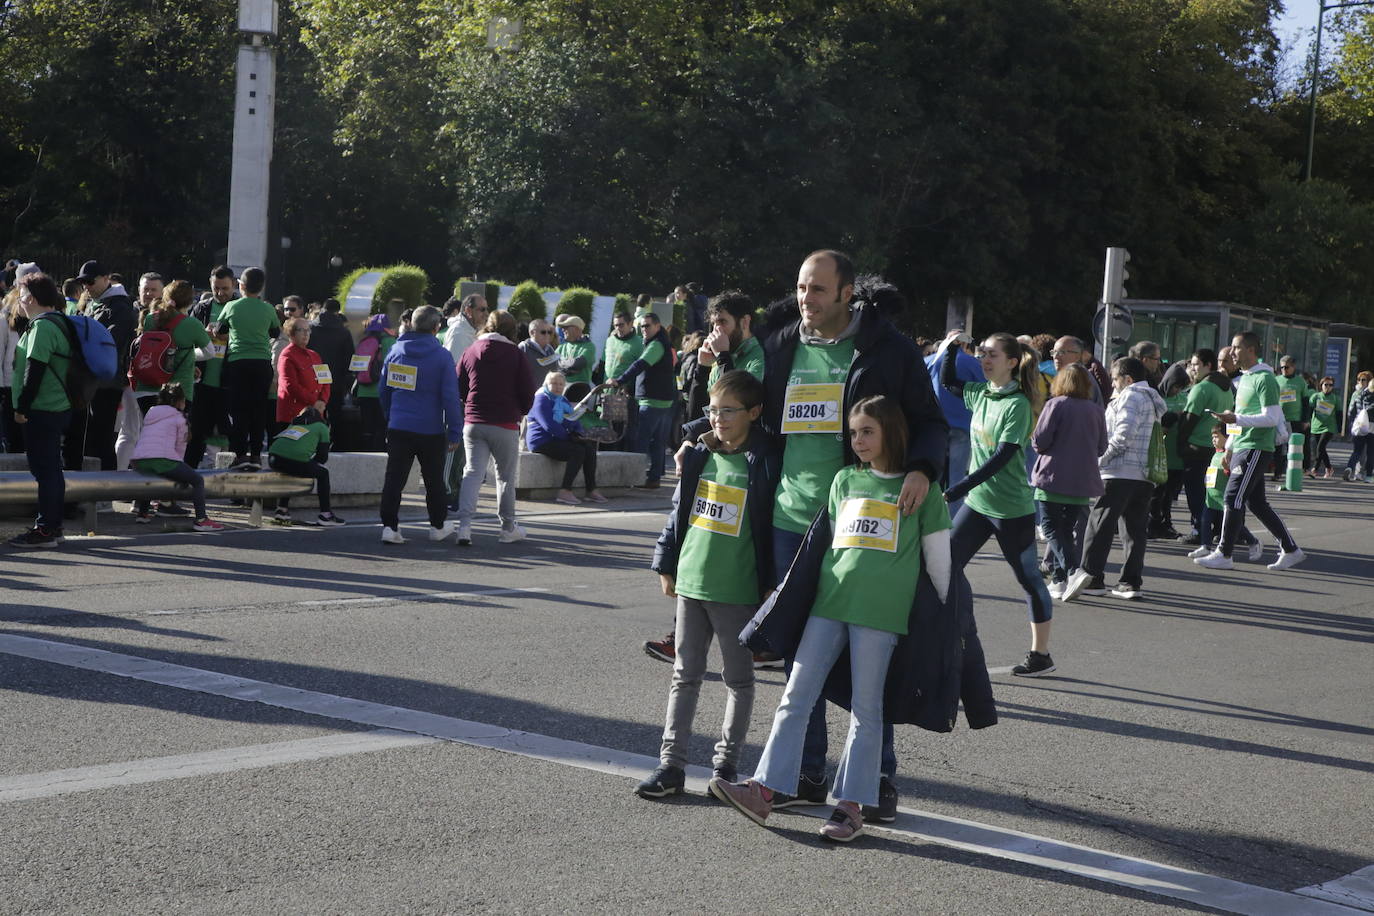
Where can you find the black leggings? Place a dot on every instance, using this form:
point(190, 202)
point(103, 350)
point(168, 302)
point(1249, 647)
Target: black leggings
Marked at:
point(209, 414)
point(1322, 461)
point(247, 381)
point(1016, 539)
point(303, 469)
point(184, 474)
point(580, 455)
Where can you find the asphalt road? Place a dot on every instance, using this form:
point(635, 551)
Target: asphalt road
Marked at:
point(1221, 726)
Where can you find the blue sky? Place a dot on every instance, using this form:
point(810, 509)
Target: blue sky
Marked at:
point(1295, 26)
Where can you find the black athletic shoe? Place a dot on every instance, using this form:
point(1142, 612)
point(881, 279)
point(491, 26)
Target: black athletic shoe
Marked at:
point(36, 537)
point(172, 510)
point(809, 792)
point(1035, 665)
point(666, 780)
point(885, 811)
point(726, 773)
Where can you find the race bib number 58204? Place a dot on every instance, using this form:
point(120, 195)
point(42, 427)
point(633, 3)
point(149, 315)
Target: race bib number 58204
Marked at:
point(812, 408)
point(871, 524)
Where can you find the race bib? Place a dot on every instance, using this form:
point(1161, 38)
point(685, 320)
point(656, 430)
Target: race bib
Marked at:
point(293, 432)
point(401, 376)
point(1212, 477)
point(718, 508)
point(322, 375)
point(867, 523)
point(547, 360)
point(1288, 396)
point(217, 350)
point(812, 409)
point(1232, 429)
point(1323, 408)
point(357, 363)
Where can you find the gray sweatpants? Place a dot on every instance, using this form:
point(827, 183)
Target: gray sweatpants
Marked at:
point(503, 445)
point(697, 621)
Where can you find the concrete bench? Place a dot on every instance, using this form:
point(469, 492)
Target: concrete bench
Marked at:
point(93, 487)
point(355, 478)
point(540, 476)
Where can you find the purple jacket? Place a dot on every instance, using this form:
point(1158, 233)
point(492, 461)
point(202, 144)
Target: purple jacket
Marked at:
point(1071, 433)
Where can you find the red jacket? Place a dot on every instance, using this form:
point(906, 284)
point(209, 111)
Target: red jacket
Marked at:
point(297, 385)
point(494, 382)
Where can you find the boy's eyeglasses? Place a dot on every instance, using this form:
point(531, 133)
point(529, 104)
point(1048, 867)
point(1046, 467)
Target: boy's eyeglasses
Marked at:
point(724, 413)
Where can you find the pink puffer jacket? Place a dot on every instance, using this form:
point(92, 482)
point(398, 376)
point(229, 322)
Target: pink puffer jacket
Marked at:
point(163, 436)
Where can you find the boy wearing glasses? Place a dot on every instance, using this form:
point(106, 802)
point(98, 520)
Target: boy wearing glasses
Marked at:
point(715, 557)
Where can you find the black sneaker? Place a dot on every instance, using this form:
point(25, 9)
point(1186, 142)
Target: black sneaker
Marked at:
point(666, 780)
point(1035, 665)
point(726, 772)
point(665, 651)
point(885, 811)
point(36, 537)
point(172, 510)
point(809, 792)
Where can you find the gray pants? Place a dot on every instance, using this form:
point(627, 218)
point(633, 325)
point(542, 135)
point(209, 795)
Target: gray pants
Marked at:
point(697, 621)
point(480, 441)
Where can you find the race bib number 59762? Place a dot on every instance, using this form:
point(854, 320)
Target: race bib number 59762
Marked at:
point(871, 524)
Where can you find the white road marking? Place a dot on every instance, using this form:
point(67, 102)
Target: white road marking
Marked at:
point(185, 766)
point(1002, 669)
point(369, 599)
point(982, 839)
point(1355, 889)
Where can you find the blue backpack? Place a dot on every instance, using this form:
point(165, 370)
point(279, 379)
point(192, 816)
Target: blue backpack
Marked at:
point(95, 358)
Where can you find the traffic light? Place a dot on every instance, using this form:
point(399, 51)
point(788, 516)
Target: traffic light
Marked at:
point(1115, 277)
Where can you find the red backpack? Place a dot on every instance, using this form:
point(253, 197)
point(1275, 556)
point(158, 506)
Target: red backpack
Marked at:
point(156, 356)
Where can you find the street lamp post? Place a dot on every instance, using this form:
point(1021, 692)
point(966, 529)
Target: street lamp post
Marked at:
point(1323, 6)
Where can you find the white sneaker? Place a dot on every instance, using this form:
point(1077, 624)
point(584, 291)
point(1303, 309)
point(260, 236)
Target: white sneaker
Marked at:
point(1199, 552)
point(447, 530)
point(1056, 590)
point(464, 534)
point(1256, 550)
point(1129, 592)
point(391, 536)
point(1215, 560)
point(1287, 559)
point(512, 535)
point(1075, 585)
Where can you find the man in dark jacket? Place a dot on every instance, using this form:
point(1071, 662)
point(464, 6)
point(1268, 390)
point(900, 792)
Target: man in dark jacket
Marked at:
point(210, 409)
point(656, 392)
point(330, 338)
point(92, 431)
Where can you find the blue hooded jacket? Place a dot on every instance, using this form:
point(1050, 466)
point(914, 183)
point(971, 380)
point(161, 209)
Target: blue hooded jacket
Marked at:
point(433, 406)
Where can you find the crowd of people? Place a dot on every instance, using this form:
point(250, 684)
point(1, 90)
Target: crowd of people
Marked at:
point(835, 476)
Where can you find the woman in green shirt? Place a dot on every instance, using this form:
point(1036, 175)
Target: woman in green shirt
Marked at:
point(997, 493)
point(1325, 407)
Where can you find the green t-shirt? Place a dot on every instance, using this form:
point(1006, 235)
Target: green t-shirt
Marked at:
point(1324, 407)
point(585, 349)
point(212, 370)
point(717, 559)
point(1202, 397)
point(46, 341)
point(1292, 396)
point(651, 355)
point(998, 416)
point(868, 576)
point(1256, 389)
point(73, 307)
point(1174, 403)
point(250, 321)
point(154, 466)
point(1216, 481)
point(187, 335)
point(748, 358)
point(621, 352)
point(299, 443)
point(384, 347)
point(1046, 496)
point(813, 422)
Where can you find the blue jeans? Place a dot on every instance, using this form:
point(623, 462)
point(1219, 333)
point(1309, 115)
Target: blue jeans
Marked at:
point(1016, 538)
point(956, 468)
point(822, 641)
point(43, 441)
point(785, 546)
point(1064, 522)
point(654, 423)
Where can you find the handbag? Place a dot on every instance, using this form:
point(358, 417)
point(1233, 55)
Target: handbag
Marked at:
point(1157, 461)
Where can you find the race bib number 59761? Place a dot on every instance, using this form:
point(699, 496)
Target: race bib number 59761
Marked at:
point(718, 508)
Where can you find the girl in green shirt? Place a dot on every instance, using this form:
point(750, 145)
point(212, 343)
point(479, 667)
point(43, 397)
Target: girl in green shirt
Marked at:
point(999, 498)
point(866, 588)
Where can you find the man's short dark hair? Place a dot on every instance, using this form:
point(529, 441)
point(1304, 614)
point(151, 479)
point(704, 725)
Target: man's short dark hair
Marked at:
point(298, 300)
point(472, 299)
point(332, 305)
point(150, 275)
point(651, 315)
point(1145, 349)
point(1249, 340)
point(451, 305)
point(222, 272)
point(732, 302)
point(253, 280)
point(844, 265)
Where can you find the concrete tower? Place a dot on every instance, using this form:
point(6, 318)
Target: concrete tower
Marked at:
point(254, 102)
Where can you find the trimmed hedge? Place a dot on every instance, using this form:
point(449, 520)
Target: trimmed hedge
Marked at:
point(399, 281)
point(576, 301)
point(527, 302)
point(624, 304)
